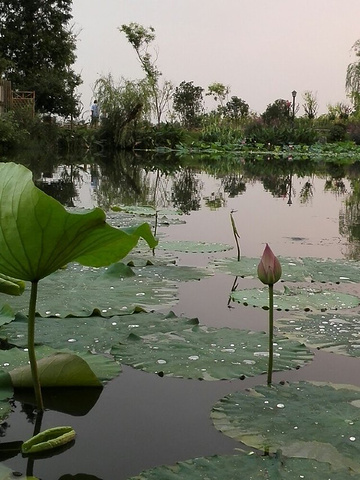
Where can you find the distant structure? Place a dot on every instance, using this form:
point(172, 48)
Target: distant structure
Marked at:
point(19, 101)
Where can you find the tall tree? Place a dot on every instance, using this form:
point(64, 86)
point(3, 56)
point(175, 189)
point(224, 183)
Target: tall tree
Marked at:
point(352, 82)
point(140, 39)
point(38, 44)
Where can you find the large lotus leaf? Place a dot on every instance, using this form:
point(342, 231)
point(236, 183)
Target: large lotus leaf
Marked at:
point(208, 353)
point(80, 291)
point(38, 236)
point(95, 334)
point(295, 299)
point(301, 419)
point(11, 286)
point(252, 467)
point(337, 333)
point(58, 367)
point(6, 314)
point(297, 269)
point(193, 247)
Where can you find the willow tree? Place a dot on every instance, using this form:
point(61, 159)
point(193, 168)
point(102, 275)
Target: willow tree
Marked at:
point(352, 83)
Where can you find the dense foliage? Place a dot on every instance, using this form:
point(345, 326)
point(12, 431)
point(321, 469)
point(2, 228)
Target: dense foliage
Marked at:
point(44, 66)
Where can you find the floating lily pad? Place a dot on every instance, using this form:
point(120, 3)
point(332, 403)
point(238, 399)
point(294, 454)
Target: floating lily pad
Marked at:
point(208, 353)
point(193, 247)
point(79, 291)
point(146, 210)
point(297, 269)
point(295, 299)
point(252, 467)
point(6, 314)
point(337, 333)
point(301, 419)
point(95, 334)
point(58, 368)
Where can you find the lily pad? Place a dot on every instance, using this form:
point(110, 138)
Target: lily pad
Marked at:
point(6, 314)
point(146, 210)
point(297, 269)
point(81, 291)
point(252, 467)
point(193, 247)
point(301, 419)
point(295, 299)
point(208, 353)
point(337, 333)
point(95, 334)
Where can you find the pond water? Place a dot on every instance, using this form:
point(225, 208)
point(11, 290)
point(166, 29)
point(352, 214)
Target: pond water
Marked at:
point(141, 420)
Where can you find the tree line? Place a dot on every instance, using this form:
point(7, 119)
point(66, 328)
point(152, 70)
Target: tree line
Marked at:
point(37, 53)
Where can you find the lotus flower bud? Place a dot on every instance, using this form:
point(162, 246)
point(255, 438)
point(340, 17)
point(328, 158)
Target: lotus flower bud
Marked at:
point(269, 268)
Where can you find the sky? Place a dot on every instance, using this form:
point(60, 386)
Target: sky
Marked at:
point(261, 49)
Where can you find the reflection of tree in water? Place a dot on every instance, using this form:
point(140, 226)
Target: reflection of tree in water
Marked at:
point(186, 191)
point(306, 192)
point(234, 184)
point(349, 221)
point(62, 189)
point(122, 182)
point(276, 185)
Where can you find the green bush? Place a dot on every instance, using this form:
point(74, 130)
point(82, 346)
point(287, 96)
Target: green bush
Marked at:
point(11, 134)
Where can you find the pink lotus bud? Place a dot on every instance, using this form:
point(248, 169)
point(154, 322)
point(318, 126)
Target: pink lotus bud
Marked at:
point(269, 268)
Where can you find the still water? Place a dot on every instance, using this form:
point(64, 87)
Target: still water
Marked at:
point(141, 420)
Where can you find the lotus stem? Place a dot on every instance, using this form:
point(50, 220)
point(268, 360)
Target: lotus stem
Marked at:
point(31, 346)
point(271, 334)
point(236, 236)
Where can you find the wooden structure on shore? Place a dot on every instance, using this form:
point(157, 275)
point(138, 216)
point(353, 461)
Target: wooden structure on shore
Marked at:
point(19, 101)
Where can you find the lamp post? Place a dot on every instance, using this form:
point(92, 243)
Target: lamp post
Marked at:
point(293, 93)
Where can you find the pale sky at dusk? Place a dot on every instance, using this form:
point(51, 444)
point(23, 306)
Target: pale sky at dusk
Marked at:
point(262, 49)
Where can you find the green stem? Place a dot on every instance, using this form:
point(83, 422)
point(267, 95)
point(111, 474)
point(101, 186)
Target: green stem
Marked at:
point(271, 334)
point(31, 346)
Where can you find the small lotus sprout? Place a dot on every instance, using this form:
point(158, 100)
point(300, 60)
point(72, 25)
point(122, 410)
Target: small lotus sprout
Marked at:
point(269, 272)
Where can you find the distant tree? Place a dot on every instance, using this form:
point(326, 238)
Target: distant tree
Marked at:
point(140, 38)
point(38, 46)
point(352, 82)
point(188, 103)
point(310, 104)
point(279, 111)
point(219, 92)
point(235, 108)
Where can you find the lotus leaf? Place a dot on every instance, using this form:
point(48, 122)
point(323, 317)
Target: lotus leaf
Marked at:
point(193, 247)
point(208, 353)
point(58, 367)
point(95, 334)
point(146, 210)
point(295, 299)
point(6, 314)
point(11, 286)
point(301, 419)
point(337, 333)
point(79, 291)
point(38, 236)
point(297, 269)
point(253, 467)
